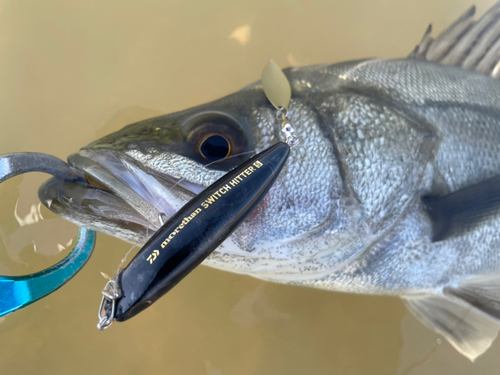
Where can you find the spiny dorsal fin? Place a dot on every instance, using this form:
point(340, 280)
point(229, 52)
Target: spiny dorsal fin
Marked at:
point(469, 44)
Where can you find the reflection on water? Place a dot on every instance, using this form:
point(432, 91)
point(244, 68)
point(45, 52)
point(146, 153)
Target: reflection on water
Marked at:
point(31, 218)
point(72, 72)
point(241, 34)
point(32, 237)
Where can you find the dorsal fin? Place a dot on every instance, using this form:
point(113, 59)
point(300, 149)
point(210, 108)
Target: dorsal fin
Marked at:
point(467, 43)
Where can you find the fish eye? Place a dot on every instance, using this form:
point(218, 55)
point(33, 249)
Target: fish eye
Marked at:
point(215, 147)
point(216, 140)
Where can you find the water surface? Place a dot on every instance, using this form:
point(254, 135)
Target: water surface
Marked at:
point(71, 72)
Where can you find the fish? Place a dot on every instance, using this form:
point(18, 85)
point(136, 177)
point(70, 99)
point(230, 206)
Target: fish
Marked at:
point(393, 189)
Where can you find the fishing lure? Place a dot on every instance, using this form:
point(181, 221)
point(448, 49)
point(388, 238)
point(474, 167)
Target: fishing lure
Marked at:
point(199, 227)
point(17, 292)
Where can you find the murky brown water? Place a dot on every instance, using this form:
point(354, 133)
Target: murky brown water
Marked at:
point(71, 72)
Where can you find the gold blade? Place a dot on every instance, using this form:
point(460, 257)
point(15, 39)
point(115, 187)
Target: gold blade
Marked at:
point(276, 85)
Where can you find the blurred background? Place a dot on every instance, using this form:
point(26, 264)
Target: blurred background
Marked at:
point(72, 72)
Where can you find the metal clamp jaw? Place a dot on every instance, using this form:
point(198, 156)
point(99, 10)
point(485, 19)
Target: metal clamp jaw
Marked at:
point(110, 294)
point(286, 127)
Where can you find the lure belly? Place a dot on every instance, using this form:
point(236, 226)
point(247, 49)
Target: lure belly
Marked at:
point(192, 234)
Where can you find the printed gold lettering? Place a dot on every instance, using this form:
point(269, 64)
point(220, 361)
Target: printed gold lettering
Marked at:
point(183, 223)
point(205, 205)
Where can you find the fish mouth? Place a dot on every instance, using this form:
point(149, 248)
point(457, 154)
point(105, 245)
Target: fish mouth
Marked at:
point(116, 195)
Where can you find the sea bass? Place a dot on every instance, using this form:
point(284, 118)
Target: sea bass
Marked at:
point(392, 190)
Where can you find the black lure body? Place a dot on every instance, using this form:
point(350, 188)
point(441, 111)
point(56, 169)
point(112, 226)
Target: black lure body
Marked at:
point(196, 230)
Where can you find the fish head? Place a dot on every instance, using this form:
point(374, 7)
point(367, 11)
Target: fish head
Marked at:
point(309, 223)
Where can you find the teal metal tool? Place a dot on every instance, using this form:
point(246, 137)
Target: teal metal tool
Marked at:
point(19, 291)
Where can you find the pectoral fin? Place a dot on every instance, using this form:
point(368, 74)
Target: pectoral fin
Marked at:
point(461, 211)
point(468, 329)
point(482, 292)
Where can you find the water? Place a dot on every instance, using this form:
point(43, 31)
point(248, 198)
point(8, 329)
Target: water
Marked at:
point(71, 72)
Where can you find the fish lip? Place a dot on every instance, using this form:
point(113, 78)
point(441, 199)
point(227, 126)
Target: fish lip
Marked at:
point(190, 188)
point(111, 170)
point(65, 199)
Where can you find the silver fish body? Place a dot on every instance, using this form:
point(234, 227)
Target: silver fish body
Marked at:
point(346, 213)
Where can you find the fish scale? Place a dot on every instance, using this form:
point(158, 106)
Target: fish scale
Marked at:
point(476, 136)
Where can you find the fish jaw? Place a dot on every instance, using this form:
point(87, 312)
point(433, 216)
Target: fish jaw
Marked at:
point(131, 206)
point(94, 209)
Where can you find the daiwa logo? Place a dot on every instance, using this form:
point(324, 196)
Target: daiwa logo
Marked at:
point(152, 257)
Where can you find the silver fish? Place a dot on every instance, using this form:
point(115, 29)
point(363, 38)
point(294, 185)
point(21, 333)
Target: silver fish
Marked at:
point(347, 213)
